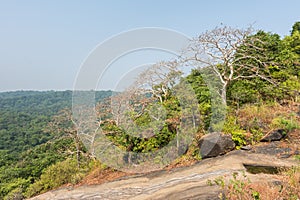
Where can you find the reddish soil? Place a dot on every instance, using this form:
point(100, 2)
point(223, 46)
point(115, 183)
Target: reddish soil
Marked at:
point(99, 176)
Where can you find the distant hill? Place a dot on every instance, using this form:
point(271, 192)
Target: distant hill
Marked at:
point(25, 114)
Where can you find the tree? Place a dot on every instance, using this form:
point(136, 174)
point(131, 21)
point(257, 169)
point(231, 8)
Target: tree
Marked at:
point(159, 79)
point(139, 109)
point(296, 28)
point(203, 95)
point(64, 126)
point(226, 51)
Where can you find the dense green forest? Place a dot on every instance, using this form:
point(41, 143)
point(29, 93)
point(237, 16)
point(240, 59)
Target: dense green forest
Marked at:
point(257, 73)
point(27, 145)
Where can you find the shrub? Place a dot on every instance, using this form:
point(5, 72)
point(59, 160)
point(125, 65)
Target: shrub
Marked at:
point(16, 194)
point(284, 123)
point(238, 134)
point(13, 188)
point(58, 174)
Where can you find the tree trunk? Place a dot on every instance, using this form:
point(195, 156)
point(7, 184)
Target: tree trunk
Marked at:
point(223, 93)
point(77, 144)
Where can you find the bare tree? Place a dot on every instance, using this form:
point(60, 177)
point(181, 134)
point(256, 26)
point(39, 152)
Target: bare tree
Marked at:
point(152, 85)
point(159, 79)
point(63, 125)
point(227, 52)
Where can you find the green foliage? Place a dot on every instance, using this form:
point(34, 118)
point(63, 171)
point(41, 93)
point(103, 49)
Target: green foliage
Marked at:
point(220, 182)
point(256, 135)
point(296, 28)
point(243, 91)
point(16, 194)
point(24, 117)
point(58, 174)
point(237, 184)
point(195, 151)
point(27, 146)
point(158, 119)
point(297, 157)
point(286, 124)
point(282, 57)
point(10, 188)
point(236, 188)
point(22, 172)
point(238, 134)
point(203, 95)
point(137, 144)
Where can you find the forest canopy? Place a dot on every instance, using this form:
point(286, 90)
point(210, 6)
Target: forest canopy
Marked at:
point(248, 68)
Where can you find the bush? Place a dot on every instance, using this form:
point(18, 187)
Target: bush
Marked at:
point(284, 123)
point(16, 194)
point(13, 188)
point(238, 134)
point(58, 174)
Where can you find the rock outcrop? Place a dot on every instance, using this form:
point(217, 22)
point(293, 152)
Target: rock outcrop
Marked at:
point(176, 184)
point(275, 135)
point(215, 144)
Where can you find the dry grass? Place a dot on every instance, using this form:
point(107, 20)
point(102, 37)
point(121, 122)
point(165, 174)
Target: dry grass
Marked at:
point(100, 175)
point(291, 178)
point(261, 116)
point(258, 120)
point(241, 188)
point(252, 191)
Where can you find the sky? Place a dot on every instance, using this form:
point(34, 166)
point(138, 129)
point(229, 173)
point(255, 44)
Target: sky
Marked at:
point(43, 44)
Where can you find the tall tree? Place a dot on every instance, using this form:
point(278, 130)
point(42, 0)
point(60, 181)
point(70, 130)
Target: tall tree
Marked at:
point(226, 51)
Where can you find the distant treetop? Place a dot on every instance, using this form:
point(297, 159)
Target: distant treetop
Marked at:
point(296, 27)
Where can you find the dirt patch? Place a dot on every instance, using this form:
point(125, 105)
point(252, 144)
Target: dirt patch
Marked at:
point(99, 176)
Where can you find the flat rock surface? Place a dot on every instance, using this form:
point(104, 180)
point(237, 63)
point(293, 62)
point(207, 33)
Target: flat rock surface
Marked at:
point(180, 183)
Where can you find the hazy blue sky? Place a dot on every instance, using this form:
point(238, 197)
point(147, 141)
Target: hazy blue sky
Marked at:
point(43, 43)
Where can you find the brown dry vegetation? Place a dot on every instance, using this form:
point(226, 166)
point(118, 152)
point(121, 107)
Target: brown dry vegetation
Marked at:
point(283, 186)
point(101, 174)
point(288, 182)
point(263, 115)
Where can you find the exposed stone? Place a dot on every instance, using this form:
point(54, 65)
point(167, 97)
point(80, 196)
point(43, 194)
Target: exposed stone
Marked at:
point(275, 135)
point(215, 144)
point(272, 148)
point(177, 184)
point(277, 183)
point(286, 155)
point(246, 148)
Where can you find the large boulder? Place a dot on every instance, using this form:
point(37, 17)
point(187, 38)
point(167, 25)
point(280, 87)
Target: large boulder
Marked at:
point(215, 144)
point(275, 135)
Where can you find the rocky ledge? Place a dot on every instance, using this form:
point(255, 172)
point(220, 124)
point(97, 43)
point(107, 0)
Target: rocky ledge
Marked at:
point(186, 182)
